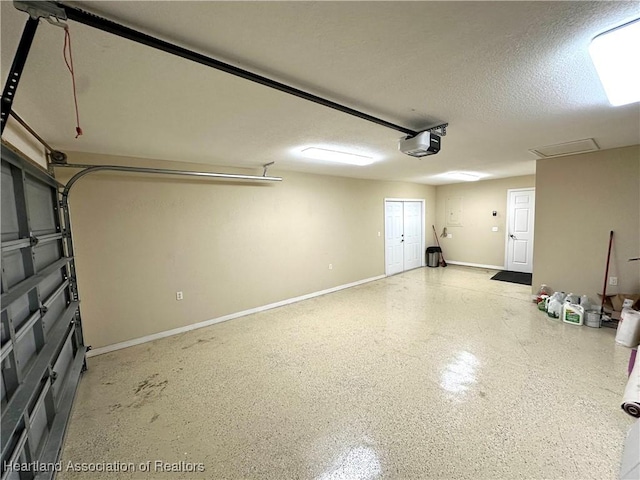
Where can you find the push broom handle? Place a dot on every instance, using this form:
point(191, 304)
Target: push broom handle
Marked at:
point(443, 262)
point(606, 275)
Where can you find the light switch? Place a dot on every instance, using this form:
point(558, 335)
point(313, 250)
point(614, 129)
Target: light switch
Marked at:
point(494, 229)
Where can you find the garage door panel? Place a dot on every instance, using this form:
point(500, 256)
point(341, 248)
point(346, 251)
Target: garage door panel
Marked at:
point(3, 393)
point(18, 446)
point(13, 270)
point(55, 310)
point(9, 212)
point(25, 350)
point(20, 311)
point(38, 426)
point(46, 254)
point(42, 347)
point(51, 283)
point(5, 336)
point(42, 216)
point(10, 379)
point(39, 418)
point(62, 368)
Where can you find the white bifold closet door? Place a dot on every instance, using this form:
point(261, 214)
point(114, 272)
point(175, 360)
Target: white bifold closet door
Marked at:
point(403, 235)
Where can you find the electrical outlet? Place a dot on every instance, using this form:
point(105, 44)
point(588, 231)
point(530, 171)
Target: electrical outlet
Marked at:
point(494, 229)
point(613, 281)
point(179, 296)
point(449, 235)
point(331, 266)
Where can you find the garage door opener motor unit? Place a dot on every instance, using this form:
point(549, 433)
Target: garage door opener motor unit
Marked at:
point(420, 145)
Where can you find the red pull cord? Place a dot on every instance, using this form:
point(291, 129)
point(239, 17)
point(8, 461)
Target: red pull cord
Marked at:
point(69, 62)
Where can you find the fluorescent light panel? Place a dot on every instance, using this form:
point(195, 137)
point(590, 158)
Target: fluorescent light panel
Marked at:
point(616, 57)
point(336, 156)
point(463, 176)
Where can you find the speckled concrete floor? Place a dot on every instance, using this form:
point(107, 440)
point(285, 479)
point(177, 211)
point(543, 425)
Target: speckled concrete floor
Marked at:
point(434, 373)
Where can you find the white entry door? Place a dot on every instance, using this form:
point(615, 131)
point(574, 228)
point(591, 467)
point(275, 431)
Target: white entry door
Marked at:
point(413, 253)
point(520, 216)
point(394, 237)
point(403, 236)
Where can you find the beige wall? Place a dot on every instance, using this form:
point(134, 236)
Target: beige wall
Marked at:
point(228, 246)
point(19, 139)
point(579, 199)
point(474, 242)
point(233, 246)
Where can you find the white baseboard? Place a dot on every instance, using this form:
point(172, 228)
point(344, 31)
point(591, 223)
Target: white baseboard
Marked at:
point(231, 316)
point(477, 265)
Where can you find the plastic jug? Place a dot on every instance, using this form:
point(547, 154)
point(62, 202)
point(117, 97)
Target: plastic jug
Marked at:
point(543, 292)
point(585, 303)
point(554, 307)
point(571, 298)
point(573, 314)
point(542, 302)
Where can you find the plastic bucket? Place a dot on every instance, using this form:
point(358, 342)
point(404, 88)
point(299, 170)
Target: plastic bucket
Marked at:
point(592, 319)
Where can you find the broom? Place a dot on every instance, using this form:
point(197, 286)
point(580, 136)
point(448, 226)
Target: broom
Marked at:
point(443, 263)
point(606, 274)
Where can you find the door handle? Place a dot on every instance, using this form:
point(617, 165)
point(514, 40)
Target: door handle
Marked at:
point(513, 236)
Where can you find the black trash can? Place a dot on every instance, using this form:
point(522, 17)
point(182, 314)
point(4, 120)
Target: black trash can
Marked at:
point(433, 256)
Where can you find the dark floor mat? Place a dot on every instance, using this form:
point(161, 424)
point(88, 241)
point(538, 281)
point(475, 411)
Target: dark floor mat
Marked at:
point(513, 277)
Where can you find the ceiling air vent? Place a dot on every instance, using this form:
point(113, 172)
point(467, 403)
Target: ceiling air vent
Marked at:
point(569, 148)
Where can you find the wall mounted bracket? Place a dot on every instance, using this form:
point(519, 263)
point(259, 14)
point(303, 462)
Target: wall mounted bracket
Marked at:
point(439, 129)
point(36, 10)
point(265, 167)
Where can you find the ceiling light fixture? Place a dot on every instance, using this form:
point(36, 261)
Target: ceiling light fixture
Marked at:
point(615, 56)
point(463, 176)
point(336, 156)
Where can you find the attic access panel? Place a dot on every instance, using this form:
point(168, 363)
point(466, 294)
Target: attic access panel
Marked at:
point(42, 348)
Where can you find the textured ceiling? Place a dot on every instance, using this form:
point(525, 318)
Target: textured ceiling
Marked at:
point(507, 76)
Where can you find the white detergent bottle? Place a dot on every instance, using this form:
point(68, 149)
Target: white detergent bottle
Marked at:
point(573, 314)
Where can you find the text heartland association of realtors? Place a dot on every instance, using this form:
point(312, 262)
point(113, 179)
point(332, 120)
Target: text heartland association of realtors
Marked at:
point(110, 467)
